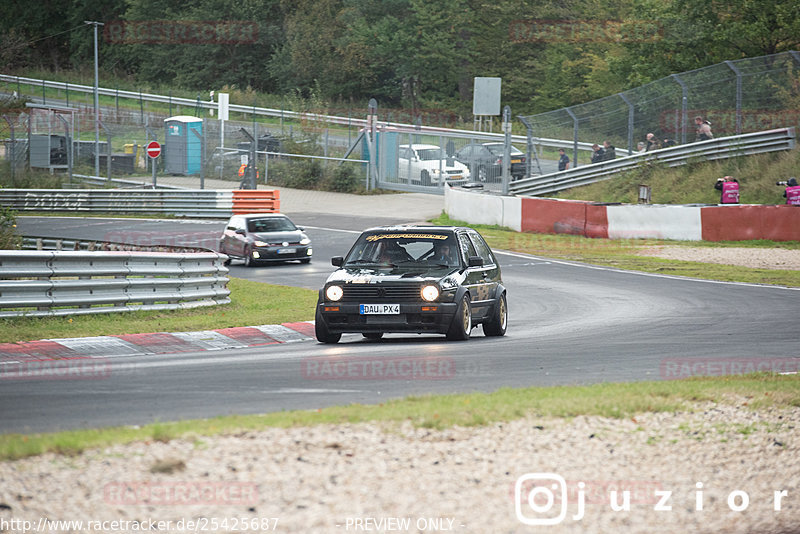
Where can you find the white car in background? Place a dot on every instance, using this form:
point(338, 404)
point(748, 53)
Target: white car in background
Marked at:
point(429, 165)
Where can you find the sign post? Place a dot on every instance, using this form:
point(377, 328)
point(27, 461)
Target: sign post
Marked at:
point(153, 151)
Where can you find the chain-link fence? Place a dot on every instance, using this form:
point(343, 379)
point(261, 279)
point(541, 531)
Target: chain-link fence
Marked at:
point(735, 97)
point(302, 153)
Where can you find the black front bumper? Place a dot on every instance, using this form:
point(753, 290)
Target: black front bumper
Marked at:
point(272, 254)
point(342, 318)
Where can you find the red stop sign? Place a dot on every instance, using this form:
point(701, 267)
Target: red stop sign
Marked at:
point(153, 149)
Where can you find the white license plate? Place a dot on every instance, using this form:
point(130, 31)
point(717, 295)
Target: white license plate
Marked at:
point(379, 309)
point(287, 250)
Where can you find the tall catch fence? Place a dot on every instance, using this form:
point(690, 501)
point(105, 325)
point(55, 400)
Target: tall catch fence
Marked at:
point(742, 96)
point(297, 143)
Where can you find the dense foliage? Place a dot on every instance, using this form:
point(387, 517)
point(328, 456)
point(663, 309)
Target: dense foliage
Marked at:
point(412, 54)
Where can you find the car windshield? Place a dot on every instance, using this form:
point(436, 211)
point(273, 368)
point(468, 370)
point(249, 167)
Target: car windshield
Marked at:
point(410, 248)
point(428, 154)
point(270, 224)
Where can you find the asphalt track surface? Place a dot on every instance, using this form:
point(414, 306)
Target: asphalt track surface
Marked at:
point(569, 323)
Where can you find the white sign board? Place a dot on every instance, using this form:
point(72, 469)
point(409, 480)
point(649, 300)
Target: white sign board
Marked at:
point(486, 96)
point(223, 106)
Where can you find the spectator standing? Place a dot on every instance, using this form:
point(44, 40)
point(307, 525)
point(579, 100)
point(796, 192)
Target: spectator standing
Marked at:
point(729, 188)
point(703, 129)
point(598, 154)
point(792, 192)
point(610, 151)
point(563, 160)
point(652, 143)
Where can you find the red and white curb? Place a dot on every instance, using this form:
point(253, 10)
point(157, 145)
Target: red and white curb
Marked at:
point(155, 343)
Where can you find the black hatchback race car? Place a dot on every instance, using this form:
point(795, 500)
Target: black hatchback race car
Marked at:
point(416, 279)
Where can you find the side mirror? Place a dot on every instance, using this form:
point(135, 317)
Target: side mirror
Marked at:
point(241, 231)
point(475, 261)
point(337, 261)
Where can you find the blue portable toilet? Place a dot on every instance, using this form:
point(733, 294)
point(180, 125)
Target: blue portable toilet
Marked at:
point(182, 148)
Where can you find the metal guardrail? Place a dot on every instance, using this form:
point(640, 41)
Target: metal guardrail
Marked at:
point(712, 149)
point(139, 184)
point(185, 202)
point(280, 113)
point(39, 283)
point(32, 242)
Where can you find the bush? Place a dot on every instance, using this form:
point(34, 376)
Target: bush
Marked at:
point(315, 174)
point(9, 240)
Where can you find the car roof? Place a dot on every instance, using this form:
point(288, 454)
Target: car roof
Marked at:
point(417, 146)
point(414, 227)
point(261, 215)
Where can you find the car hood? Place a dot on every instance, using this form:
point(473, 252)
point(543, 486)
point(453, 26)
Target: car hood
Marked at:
point(372, 275)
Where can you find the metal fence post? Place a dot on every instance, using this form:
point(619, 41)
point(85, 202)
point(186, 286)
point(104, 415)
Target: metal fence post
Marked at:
point(630, 122)
point(738, 95)
point(684, 106)
point(574, 136)
point(69, 146)
point(13, 148)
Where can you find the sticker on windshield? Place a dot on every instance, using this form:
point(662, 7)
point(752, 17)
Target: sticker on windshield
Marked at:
point(377, 237)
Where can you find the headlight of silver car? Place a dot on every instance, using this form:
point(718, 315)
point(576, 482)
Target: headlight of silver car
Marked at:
point(334, 293)
point(260, 244)
point(430, 293)
point(305, 240)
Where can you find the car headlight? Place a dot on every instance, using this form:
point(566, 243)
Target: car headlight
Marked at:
point(260, 244)
point(430, 293)
point(334, 293)
point(305, 240)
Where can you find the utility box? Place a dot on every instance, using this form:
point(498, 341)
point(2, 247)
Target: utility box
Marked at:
point(182, 149)
point(48, 151)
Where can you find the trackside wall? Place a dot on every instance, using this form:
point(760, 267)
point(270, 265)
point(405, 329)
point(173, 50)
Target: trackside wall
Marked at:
point(684, 223)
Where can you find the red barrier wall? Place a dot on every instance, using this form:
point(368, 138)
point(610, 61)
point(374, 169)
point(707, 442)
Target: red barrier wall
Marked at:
point(740, 223)
point(572, 217)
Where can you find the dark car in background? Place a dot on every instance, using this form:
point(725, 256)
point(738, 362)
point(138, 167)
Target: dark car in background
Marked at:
point(413, 279)
point(485, 161)
point(264, 237)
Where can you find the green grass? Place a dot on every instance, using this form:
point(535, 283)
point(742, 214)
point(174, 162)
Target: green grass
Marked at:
point(252, 303)
point(622, 254)
point(694, 183)
point(613, 400)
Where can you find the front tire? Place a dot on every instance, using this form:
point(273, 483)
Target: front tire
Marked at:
point(461, 326)
point(321, 330)
point(373, 336)
point(425, 178)
point(499, 322)
point(305, 260)
point(248, 257)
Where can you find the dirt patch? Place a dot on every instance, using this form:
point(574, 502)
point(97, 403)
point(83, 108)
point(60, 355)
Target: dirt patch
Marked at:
point(756, 258)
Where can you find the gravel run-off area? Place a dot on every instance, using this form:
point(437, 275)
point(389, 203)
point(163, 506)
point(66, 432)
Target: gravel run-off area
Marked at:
point(756, 258)
point(397, 478)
